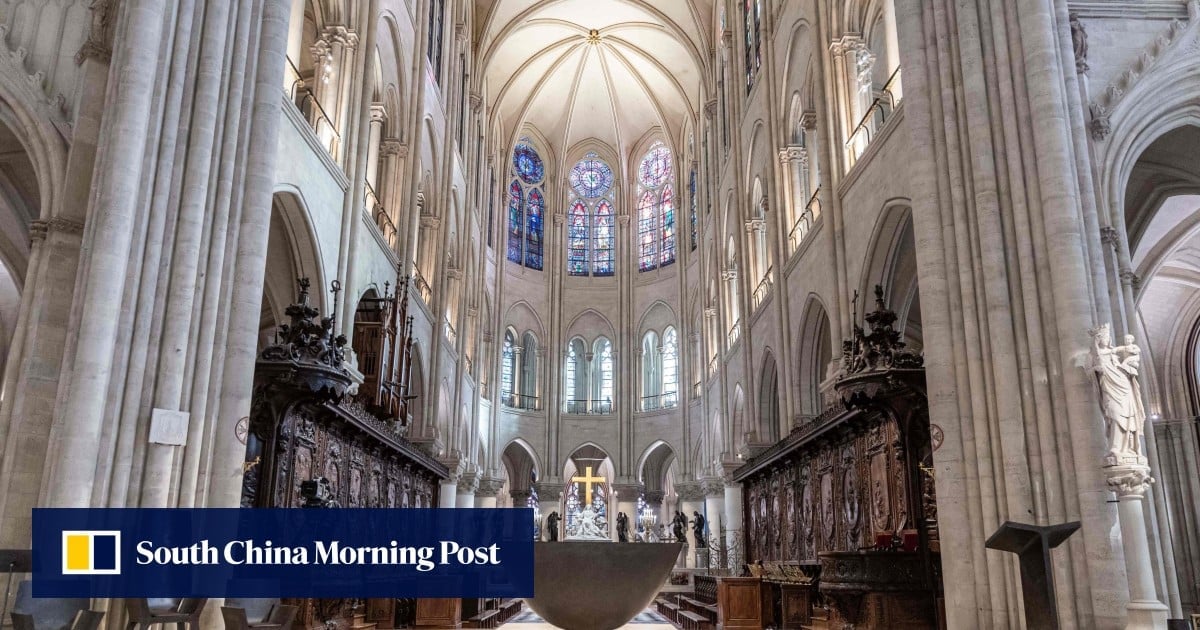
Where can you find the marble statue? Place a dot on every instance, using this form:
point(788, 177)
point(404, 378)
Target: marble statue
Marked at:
point(622, 527)
point(698, 528)
point(587, 526)
point(552, 526)
point(1116, 369)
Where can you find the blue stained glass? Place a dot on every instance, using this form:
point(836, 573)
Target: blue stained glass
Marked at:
point(590, 177)
point(692, 202)
point(647, 232)
point(528, 164)
point(577, 240)
point(533, 230)
point(655, 168)
point(667, 211)
point(516, 227)
point(603, 250)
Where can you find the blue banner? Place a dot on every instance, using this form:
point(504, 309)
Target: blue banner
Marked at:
point(324, 553)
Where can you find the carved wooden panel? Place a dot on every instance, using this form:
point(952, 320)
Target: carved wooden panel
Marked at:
point(739, 603)
point(831, 496)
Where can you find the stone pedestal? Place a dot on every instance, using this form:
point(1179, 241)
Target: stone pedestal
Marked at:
point(1130, 483)
point(702, 558)
point(681, 562)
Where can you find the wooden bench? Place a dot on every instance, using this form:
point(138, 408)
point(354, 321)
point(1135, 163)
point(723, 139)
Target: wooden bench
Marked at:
point(485, 619)
point(670, 611)
point(509, 609)
point(693, 621)
point(708, 611)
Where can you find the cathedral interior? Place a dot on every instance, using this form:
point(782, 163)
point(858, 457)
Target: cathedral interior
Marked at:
point(845, 285)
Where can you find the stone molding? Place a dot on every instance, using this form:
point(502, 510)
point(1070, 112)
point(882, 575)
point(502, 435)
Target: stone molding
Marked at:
point(490, 487)
point(549, 491)
point(1128, 481)
point(393, 146)
point(689, 491)
point(39, 229)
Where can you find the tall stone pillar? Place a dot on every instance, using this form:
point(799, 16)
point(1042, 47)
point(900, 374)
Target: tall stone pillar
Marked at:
point(733, 524)
point(549, 500)
point(627, 500)
point(714, 506)
point(448, 492)
point(691, 500)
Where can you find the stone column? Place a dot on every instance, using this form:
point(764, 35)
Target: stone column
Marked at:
point(714, 506)
point(627, 500)
point(448, 492)
point(691, 499)
point(733, 524)
point(485, 495)
point(374, 139)
point(115, 205)
point(549, 500)
point(1130, 483)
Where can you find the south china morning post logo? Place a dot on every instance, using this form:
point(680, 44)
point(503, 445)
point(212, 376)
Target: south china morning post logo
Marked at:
point(328, 553)
point(91, 552)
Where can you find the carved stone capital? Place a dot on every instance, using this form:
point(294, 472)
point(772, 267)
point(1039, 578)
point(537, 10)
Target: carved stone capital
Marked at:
point(710, 312)
point(1130, 278)
point(549, 491)
point(624, 219)
point(1099, 125)
point(454, 273)
point(475, 100)
point(713, 488)
point(340, 34)
point(1110, 236)
point(1128, 481)
point(627, 491)
point(430, 222)
point(39, 229)
point(793, 153)
point(468, 483)
point(689, 491)
point(850, 42)
point(808, 120)
point(756, 225)
point(519, 497)
point(98, 44)
point(710, 109)
point(378, 113)
point(729, 274)
point(489, 487)
point(393, 147)
point(654, 498)
point(559, 218)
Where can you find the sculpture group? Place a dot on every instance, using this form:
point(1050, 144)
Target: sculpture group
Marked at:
point(1116, 369)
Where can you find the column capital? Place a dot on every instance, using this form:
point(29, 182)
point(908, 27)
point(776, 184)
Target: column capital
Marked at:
point(378, 113)
point(713, 487)
point(756, 225)
point(39, 229)
point(710, 109)
point(626, 491)
point(559, 218)
point(468, 483)
point(475, 100)
point(624, 219)
point(519, 497)
point(689, 491)
point(549, 490)
point(489, 487)
point(1128, 481)
point(793, 153)
point(340, 34)
point(393, 146)
point(428, 221)
point(654, 498)
point(846, 43)
point(808, 120)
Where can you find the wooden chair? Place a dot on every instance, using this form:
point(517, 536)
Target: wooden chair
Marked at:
point(52, 613)
point(84, 620)
point(185, 615)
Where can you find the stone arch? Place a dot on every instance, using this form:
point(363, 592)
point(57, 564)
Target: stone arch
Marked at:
point(892, 263)
point(654, 466)
point(770, 420)
point(293, 251)
point(815, 354)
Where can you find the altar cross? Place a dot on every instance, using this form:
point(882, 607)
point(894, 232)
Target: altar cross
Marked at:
point(588, 480)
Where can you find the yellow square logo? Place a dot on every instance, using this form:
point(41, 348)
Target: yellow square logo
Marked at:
point(91, 552)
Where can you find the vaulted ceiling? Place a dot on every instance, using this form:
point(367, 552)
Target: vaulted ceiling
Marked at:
point(608, 70)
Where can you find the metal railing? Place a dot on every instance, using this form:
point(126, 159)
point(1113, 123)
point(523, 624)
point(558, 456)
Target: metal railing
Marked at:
point(589, 407)
point(422, 286)
point(735, 332)
point(805, 222)
point(764, 288)
point(660, 401)
point(876, 115)
point(451, 334)
point(306, 101)
point(380, 216)
point(712, 365)
point(520, 401)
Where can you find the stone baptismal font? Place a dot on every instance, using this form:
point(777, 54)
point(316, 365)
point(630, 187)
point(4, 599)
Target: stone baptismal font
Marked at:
point(588, 582)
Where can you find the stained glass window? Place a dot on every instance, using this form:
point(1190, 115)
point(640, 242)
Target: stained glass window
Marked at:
point(656, 166)
point(603, 251)
point(528, 164)
point(591, 177)
point(572, 374)
point(606, 372)
point(526, 207)
point(753, 40)
point(670, 368)
point(434, 44)
point(591, 219)
point(667, 210)
point(692, 206)
point(577, 239)
point(516, 222)
point(647, 232)
point(507, 368)
point(533, 229)
point(656, 209)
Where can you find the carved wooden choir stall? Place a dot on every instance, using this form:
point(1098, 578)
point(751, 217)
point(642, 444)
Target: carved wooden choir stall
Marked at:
point(842, 510)
point(311, 444)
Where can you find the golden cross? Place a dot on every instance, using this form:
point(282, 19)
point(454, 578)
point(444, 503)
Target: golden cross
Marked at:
point(587, 480)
